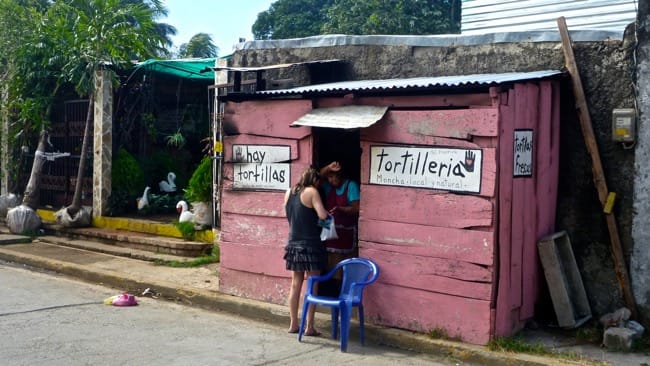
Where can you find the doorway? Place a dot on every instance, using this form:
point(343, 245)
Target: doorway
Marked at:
point(337, 144)
point(342, 145)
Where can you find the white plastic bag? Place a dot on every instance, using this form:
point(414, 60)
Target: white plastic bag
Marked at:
point(329, 231)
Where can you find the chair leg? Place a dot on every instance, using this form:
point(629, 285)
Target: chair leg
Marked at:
point(303, 319)
point(346, 312)
point(335, 322)
point(361, 323)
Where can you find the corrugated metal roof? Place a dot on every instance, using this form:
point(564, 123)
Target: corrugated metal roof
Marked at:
point(271, 67)
point(415, 83)
point(487, 16)
point(346, 117)
point(445, 40)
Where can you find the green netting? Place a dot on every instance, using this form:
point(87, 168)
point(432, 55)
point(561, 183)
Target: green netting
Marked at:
point(181, 68)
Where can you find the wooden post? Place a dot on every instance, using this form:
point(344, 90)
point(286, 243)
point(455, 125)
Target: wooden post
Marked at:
point(597, 167)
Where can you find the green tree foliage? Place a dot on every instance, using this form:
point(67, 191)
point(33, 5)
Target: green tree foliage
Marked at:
point(405, 17)
point(46, 44)
point(302, 18)
point(27, 88)
point(200, 45)
point(96, 35)
point(291, 19)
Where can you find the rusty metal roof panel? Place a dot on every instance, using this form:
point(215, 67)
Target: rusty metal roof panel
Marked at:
point(488, 16)
point(415, 83)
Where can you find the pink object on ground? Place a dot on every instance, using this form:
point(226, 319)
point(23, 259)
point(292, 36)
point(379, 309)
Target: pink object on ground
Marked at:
point(125, 300)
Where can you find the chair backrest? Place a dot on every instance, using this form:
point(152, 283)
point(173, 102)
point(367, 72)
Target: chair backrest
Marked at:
point(357, 273)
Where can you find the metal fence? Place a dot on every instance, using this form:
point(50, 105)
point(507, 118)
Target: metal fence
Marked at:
point(59, 175)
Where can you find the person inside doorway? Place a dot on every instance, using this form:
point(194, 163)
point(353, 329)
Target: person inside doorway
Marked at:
point(341, 199)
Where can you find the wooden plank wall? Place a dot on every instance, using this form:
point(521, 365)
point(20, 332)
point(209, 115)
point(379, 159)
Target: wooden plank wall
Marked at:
point(435, 249)
point(254, 227)
point(526, 204)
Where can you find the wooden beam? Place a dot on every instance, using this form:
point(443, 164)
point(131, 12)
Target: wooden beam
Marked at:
point(597, 167)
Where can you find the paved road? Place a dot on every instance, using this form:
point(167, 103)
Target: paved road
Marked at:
point(46, 319)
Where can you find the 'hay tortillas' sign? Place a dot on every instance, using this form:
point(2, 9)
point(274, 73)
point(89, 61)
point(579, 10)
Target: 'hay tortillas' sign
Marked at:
point(259, 167)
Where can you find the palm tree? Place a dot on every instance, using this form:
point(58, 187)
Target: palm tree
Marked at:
point(200, 45)
point(100, 35)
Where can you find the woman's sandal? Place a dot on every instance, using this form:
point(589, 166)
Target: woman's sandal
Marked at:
point(313, 333)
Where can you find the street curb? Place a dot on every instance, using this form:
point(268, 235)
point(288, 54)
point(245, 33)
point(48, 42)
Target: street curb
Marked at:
point(277, 314)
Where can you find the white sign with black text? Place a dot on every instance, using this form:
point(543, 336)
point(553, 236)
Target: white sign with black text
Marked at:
point(274, 176)
point(450, 169)
point(523, 154)
point(260, 153)
point(261, 167)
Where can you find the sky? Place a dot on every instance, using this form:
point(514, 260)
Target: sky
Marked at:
point(224, 20)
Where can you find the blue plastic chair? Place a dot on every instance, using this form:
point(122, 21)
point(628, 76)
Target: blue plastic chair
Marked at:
point(357, 273)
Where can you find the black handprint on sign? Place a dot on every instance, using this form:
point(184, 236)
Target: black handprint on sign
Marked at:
point(239, 154)
point(470, 158)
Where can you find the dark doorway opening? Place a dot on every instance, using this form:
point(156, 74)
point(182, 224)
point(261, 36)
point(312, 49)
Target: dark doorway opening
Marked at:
point(335, 144)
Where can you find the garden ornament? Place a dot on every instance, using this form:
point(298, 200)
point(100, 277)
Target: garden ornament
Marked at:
point(186, 214)
point(143, 201)
point(168, 185)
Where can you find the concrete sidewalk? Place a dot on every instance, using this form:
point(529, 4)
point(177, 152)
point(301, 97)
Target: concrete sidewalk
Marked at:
point(199, 287)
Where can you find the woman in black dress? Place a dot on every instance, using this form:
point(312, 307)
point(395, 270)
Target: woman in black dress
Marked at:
point(305, 253)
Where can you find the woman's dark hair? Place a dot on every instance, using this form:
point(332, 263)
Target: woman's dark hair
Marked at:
point(308, 178)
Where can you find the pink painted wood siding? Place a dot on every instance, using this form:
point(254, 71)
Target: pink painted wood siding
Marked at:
point(253, 285)
point(526, 204)
point(462, 263)
point(451, 211)
point(423, 311)
point(436, 249)
point(254, 227)
point(431, 101)
point(422, 125)
point(267, 118)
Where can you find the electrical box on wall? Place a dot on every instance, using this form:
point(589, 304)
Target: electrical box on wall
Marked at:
point(623, 125)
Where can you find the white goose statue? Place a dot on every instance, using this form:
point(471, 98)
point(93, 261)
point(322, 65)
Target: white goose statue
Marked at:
point(168, 185)
point(143, 201)
point(186, 214)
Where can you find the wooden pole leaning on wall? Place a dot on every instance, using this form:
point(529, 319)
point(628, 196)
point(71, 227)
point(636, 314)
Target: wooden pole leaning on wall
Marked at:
point(597, 167)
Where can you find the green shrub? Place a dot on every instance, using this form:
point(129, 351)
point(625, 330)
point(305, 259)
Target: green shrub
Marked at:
point(186, 229)
point(164, 203)
point(127, 174)
point(127, 182)
point(199, 188)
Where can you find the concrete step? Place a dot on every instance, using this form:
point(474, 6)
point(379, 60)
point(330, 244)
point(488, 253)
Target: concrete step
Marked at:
point(143, 238)
point(134, 242)
point(112, 249)
point(162, 226)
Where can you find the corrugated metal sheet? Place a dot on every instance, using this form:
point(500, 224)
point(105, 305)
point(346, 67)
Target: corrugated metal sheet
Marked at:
point(271, 67)
point(487, 16)
point(415, 83)
point(347, 117)
point(446, 40)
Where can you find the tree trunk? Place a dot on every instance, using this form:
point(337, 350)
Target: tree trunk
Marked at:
point(76, 198)
point(32, 193)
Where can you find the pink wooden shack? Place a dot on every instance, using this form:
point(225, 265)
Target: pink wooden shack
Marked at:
point(458, 180)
